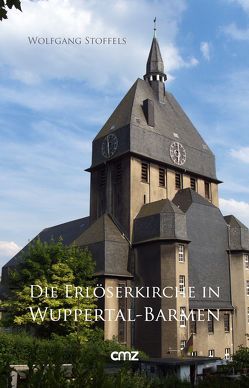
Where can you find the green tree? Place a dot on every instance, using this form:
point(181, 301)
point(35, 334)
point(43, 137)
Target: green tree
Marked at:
point(47, 265)
point(241, 358)
point(8, 4)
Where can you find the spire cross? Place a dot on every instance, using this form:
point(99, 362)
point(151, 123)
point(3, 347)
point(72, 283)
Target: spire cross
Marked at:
point(155, 27)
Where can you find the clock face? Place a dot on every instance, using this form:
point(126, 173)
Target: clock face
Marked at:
point(177, 153)
point(109, 146)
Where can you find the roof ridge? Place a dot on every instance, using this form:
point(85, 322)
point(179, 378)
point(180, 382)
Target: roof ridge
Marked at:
point(239, 223)
point(63, 223)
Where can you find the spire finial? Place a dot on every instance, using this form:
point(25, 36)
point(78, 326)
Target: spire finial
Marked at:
point(154, 27)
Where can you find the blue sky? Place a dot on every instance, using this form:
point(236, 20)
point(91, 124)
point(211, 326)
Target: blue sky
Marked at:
point(54, 99)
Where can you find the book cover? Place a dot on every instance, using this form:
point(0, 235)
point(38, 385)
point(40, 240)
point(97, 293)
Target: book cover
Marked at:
point(124, 191)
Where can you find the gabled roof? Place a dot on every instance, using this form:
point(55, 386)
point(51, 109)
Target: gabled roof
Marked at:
point(68, 231)
point(109, 247)
point(234, 222)
point(103, 229)
point(238, 234)
point(128, 123)
point(160, 220)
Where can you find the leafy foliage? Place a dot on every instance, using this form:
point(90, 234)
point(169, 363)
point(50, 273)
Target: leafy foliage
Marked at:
point(51, 265)
point(89, 360)
point(241, 358)
point(8, 4)
point(44, 359)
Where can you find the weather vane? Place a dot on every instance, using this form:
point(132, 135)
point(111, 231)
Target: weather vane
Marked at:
point(155, 27)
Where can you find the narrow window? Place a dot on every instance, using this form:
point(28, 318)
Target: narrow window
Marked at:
point(178, 180)
point(145, 172)
point(182, 316)
point(247, 287)
point(145, 199)
point(162, 180)
point(207, 190)
point(193, 183)
point(102, 177)
point(227, 353)
point(118, 172)
point(211, 353)
point(183, 344)
point(181, 284)
point(246, 259)
point(194, 354)
point(193, 326)
point(154, 77)
point(181, 253)
point(226, 322)
point(211, 324)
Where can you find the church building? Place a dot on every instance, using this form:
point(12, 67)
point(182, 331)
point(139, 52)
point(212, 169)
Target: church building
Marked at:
point(155, 223)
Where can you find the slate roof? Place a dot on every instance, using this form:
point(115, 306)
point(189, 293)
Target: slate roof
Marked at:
point(238, 234)
point(184, 199)
point(208, 257)
point(129, 124)
point(160, 220)
point(108, 246)
point(68, 231)
point(155, 61)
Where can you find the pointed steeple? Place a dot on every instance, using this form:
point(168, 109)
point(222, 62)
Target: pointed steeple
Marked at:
point(155, 62)
point(155, 69)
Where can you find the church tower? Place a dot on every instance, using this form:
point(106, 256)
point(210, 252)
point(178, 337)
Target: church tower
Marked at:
point(155, 177)
point(148, 150)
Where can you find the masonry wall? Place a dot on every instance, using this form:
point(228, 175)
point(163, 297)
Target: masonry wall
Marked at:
point(171, 269)
point(219, 340)
point(141, 192)
point(112, 328)
point(240, 300)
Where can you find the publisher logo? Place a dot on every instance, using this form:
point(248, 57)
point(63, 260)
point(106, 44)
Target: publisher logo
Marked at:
point(125, 356)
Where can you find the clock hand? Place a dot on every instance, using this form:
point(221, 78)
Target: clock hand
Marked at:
point(108, 146)
point(178, 152)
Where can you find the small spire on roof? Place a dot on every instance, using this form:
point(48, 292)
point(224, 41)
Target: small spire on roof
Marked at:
point(155, 75)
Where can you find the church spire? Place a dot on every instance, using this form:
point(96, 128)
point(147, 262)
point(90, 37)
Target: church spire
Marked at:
point(155, 68)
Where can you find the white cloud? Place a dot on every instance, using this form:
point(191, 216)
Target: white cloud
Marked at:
point(235, 32)
point(173, 59)
point(232, 30)
point(239, 209)
point(205, 50)
point(241, 154)
point(242, 3)
point(8, 249)
point(98, 65)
